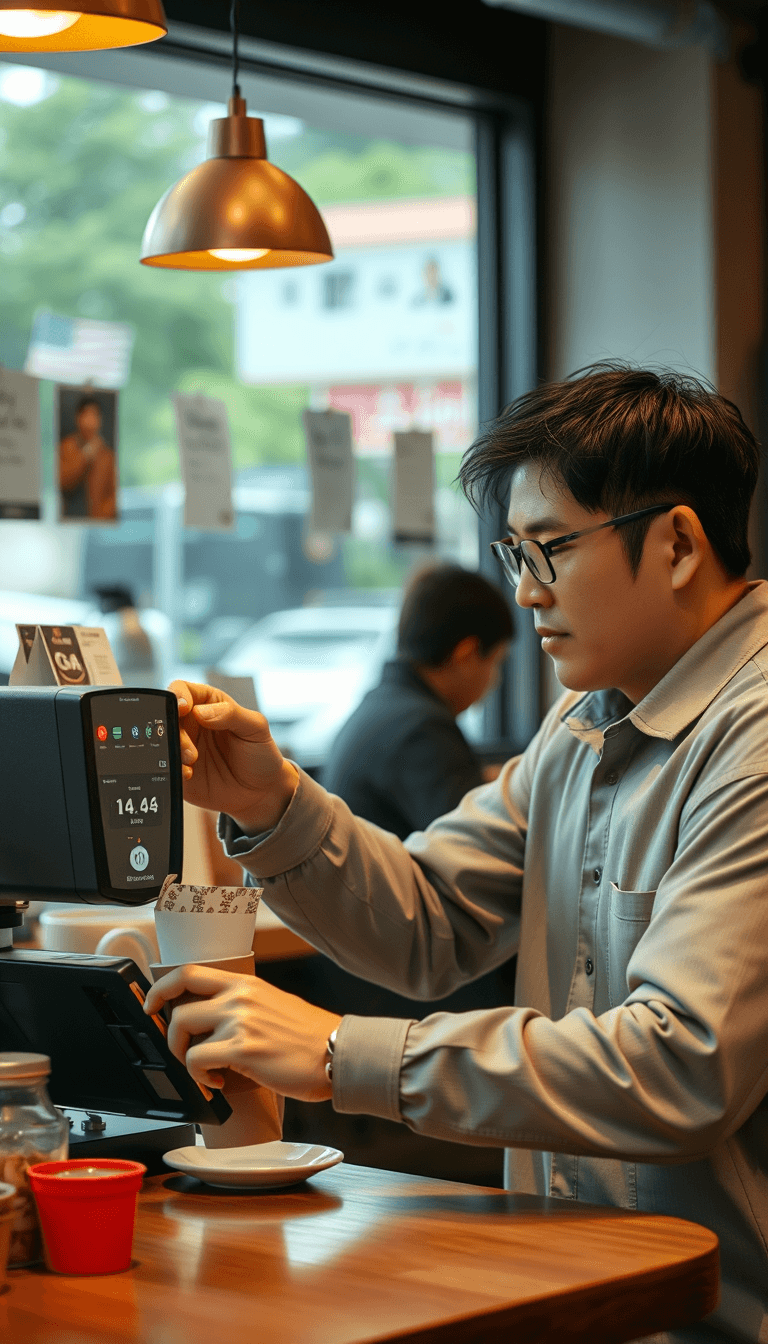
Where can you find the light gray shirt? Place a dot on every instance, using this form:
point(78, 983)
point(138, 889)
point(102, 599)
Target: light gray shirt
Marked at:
point(625, 854)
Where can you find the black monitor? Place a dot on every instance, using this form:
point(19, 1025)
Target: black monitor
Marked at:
point(90, 794)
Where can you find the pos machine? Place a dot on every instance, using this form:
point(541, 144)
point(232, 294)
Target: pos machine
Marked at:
point(91, 811)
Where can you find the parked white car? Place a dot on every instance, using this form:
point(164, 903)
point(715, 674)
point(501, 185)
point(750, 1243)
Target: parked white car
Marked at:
point(311, 667)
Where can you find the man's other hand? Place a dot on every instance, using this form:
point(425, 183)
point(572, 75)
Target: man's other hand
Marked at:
point(242, 1023)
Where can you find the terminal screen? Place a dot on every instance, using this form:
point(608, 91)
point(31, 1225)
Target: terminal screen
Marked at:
point(131, 755)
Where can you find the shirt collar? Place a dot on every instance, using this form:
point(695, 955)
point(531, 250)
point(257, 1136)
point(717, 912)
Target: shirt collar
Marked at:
point(690, 686)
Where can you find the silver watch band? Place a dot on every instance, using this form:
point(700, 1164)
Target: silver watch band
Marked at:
point(330, 1047)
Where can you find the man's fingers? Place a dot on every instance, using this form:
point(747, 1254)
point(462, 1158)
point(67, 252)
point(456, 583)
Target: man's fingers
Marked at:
point(189, 1021)
point(228, 716)
point(190, 979)
point(195, 693)
point(205, 1062)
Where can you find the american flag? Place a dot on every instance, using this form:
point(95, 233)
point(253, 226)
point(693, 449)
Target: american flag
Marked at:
point(80, 350)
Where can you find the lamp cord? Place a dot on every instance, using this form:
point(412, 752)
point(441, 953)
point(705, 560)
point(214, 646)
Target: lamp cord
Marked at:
point(234, 23)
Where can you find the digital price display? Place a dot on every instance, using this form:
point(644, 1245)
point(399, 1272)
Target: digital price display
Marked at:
point(131, 756)
point(136, 802)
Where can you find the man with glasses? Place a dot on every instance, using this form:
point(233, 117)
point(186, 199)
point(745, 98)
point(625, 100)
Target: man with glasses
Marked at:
point(624, 854)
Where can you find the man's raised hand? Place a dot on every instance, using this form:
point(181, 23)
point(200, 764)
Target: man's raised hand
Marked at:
point(230, 762)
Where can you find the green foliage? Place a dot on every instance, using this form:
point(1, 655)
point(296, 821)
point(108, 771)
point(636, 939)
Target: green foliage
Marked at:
point(384, 170)
point(265, 422)
point(374, 565)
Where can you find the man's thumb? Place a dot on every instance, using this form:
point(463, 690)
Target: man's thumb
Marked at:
point(227, 715)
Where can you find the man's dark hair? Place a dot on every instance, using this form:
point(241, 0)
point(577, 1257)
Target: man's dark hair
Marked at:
point(443, 605)
point(619, 438)
point(88, 401)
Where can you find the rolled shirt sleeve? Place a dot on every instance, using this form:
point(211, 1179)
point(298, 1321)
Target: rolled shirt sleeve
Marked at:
point(385, 910)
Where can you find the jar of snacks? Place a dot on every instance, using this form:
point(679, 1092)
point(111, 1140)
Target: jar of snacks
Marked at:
point(30, 1131)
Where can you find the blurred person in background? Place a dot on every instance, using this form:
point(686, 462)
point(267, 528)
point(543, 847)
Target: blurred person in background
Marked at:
point(135, 653)
point(401, 759)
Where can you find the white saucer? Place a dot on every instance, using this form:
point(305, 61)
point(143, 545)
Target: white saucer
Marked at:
point(261, 1164)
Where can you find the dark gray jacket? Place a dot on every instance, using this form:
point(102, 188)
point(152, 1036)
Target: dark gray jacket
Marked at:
point(401, 759)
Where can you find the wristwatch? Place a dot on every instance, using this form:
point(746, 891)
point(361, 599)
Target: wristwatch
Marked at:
point(330, 1047)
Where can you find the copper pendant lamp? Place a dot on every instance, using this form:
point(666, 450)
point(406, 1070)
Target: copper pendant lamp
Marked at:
point(79, 25)
point(236, 211)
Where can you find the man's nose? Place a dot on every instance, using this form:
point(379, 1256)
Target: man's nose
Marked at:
point(530, 592)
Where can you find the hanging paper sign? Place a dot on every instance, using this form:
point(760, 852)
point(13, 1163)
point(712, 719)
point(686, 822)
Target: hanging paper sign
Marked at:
point(19, 446)
point(329, 454)
point(205, 451)
point(413, 511)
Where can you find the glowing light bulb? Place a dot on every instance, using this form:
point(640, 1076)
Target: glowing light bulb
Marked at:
point(238, 254)
point(35, 22)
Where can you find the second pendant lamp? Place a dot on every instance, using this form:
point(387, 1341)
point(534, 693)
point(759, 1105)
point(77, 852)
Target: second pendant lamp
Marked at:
point(236, 211)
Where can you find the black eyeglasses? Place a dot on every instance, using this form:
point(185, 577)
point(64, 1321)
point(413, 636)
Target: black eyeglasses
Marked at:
point(536, 554)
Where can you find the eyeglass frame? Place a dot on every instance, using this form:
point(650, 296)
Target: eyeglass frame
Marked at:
point(504, 548)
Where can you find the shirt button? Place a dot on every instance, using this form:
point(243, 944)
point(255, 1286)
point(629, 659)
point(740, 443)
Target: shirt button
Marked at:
point(611, 777)
point(597, 874)
point(589, 966)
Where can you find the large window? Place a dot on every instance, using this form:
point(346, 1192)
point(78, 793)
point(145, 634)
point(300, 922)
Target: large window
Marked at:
point(386, 332)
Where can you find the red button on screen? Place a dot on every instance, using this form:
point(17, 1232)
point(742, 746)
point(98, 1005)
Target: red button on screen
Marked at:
point(101, 733)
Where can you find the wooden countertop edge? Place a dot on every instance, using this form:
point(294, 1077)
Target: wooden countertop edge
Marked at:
point(540, 1320)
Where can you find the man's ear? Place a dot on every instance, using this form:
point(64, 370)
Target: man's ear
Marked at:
point(689, 544)
point(466, 648)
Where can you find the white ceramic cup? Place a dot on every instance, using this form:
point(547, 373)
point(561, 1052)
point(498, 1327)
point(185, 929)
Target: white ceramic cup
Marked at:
point(102, 929)
point(129, 943)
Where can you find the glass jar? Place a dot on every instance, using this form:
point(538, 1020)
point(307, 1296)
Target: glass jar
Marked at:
point(30, 1131)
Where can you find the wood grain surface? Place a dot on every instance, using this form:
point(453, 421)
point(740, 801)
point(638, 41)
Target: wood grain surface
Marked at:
point(359, 1255)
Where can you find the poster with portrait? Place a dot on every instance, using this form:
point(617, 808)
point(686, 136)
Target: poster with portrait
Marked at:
point(85, 424)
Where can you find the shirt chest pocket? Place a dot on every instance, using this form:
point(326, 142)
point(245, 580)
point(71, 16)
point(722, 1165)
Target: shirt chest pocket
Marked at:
point(629, 914)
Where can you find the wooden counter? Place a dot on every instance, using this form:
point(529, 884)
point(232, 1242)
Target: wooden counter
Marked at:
point(363, 1255)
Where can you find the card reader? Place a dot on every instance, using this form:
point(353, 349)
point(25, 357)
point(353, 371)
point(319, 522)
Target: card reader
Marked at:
point(111, 1069)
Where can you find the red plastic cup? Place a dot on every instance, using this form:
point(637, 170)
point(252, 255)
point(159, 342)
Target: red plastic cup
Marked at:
point(87, 1220)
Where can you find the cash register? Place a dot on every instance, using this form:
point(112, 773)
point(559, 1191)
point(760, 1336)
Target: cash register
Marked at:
point(91, 811)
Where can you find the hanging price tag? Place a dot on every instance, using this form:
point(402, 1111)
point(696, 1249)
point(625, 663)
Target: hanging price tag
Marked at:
point(331, 466)
point(414, 488)
point(19, 446)
point(202, 427)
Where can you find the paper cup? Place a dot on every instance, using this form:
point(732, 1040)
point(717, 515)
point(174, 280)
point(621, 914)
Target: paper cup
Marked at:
point(236, 965)
point(87, 1221)
point(185, 936)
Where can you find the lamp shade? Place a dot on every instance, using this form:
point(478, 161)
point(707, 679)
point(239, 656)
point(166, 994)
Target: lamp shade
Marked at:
point(79, 25)
point(236, 211)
